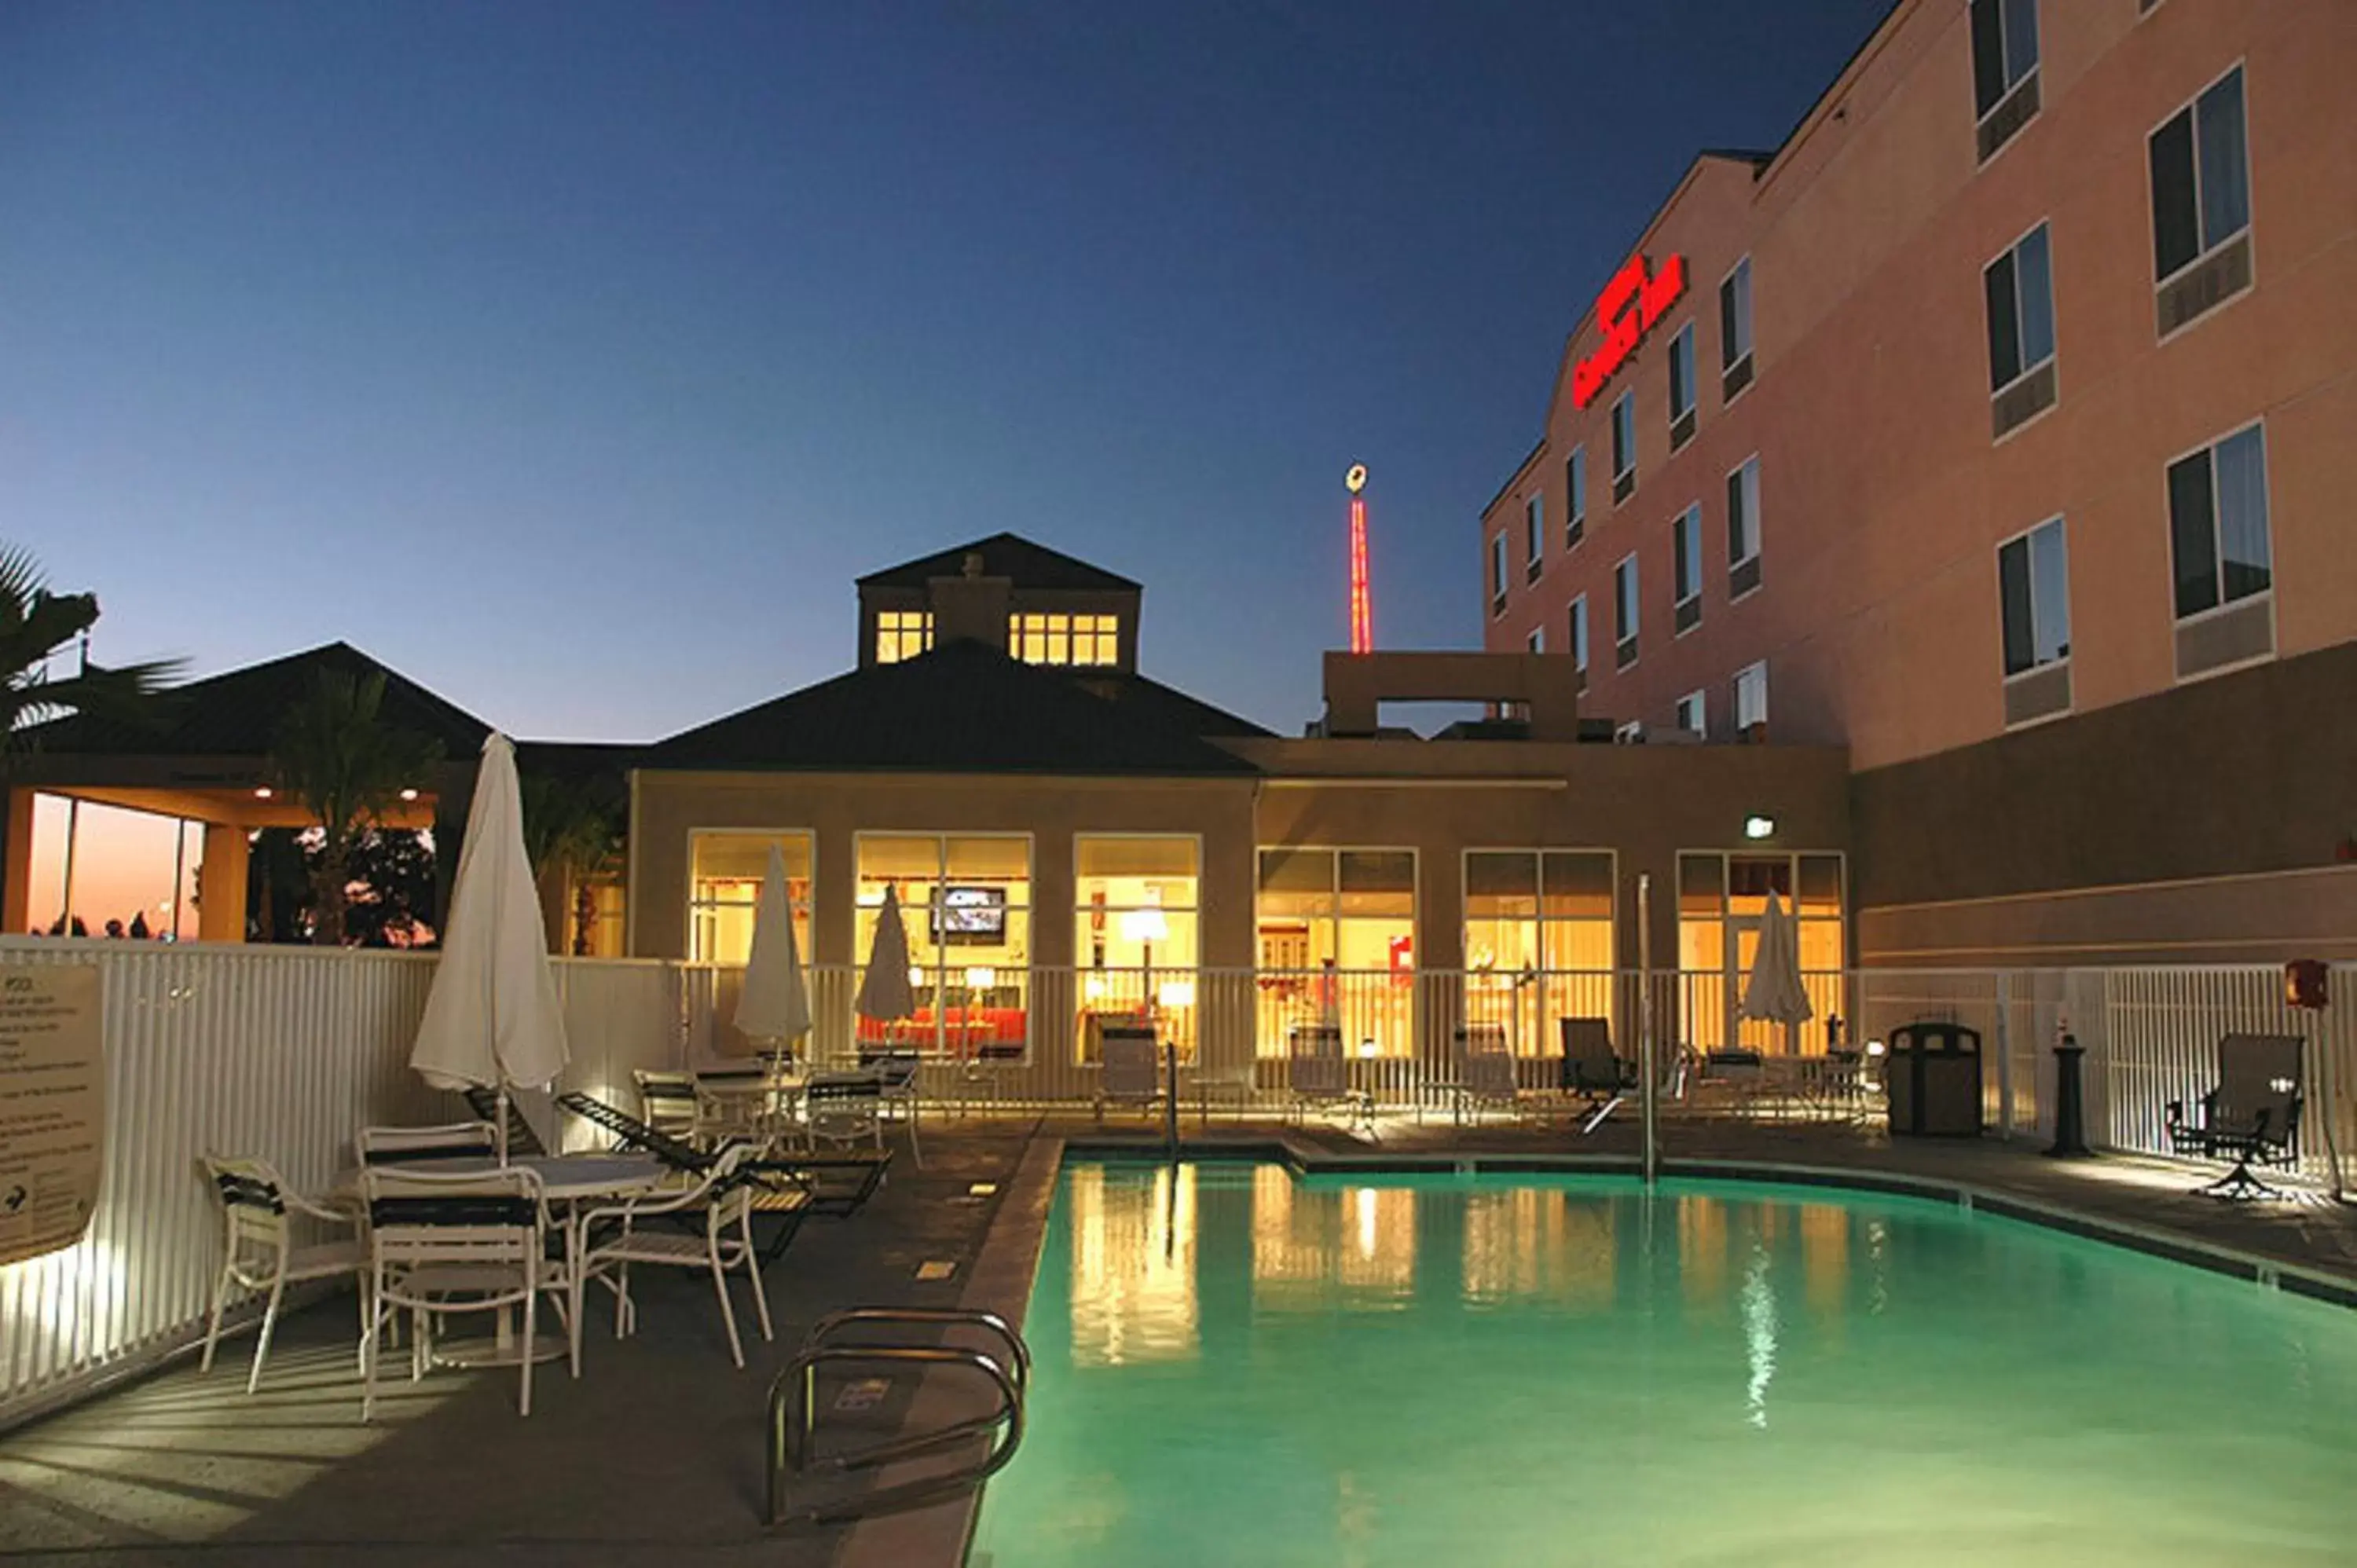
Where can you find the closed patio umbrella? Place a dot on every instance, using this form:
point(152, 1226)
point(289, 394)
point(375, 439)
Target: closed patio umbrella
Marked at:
point(775, 1003)
point(1775, 990)
point(884, 991)
point(493, 1019)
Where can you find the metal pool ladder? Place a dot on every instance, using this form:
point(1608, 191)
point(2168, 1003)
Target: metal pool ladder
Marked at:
point(793, 1410)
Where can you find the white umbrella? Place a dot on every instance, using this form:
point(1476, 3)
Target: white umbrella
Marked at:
point(1775, 992)
point(884, 990)
point(774, 1003)
point(493, 1019)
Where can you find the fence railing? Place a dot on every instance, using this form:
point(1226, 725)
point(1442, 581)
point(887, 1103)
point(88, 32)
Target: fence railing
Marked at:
point(285, 1052)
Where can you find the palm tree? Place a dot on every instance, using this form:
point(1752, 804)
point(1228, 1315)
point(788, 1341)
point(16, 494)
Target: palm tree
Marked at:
point(34, 626)
point(347, 769)
point(571, 827)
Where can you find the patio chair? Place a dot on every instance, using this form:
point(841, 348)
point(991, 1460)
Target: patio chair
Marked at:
point(725, 1199)
point(629, 1132)
point(792, 1186)
point(1318, 1077)
point(1593, 1072)
point(731, 1102)
point(2252, 1117)
point(841, 1108)
point(667, 1101)
point(452, 1140)
point(259, 1251)
point(1129, 1067)
point(485, 1104)
point(1486, 1080)
point(896, 1072)
point(443, 1244)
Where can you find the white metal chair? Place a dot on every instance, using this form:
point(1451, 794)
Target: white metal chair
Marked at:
point(667, 1101)
point(452, 1140)
point(441, 1244)
point(1317, 1076)
point(726, 1195)
point(1129, 1071)
point(841, 1108)
point(1488, 1076)
point(259, 1251)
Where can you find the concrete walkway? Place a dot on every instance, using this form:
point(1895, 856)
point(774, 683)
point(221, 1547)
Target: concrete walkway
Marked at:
point(655, 1455)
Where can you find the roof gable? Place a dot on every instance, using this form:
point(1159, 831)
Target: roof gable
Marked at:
point(1008, 555)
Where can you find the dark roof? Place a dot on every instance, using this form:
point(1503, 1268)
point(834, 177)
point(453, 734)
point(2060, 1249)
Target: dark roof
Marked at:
point(237, 714)
point(1167, 704)
point(963, 708)
point(1008, 555)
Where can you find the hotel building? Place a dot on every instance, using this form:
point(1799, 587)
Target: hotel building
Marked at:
point(1999, 426)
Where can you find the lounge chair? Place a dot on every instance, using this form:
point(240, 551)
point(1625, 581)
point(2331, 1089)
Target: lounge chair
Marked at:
point(1317, 1076)
point(485, 1104)
point(1593, 1072)
point(406, 1145)
point(2251, 1118)
point(841, 1108)
point(1129, 1066)
point(259, 1251)
point(667, 1101)
point(1487, 1078)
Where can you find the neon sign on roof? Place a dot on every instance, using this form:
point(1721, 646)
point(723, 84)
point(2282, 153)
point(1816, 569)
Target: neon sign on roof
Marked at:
point(1625, 312)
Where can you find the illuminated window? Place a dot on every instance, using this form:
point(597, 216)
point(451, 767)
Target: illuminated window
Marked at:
point(902, 634)
point(1337, 941)
point(1064, 638)
point(98, 864)
point(724, 884)
point(1720, 901)
point(966, 905)
point(1134, 931)
point(1538, 941)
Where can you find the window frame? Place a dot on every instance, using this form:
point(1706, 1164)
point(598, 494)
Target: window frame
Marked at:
point(2217, 532)
point(1750, 518)
point(922, 630)
point(1735, 696)
point(938, 988)
point(2026, 538)
point(1626, 635)
point(1682, 371)
point(2008, 85)
point(1498, 573)
point(1624, 432)
point(1575, 485)
point(1577, 631)
point(2190, 106)
point(1700, 701)
point(1192, 1049)
point(1685, 546)
point(1728, 366)
point(2053, 354)
point(1534, 535)
point(1415, 931)
point(809, 910)
point(1538, 920)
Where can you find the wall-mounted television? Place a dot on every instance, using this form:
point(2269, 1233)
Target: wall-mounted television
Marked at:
point(970, 914)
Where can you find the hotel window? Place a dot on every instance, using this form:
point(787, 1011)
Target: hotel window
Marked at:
point(1134, 937)
point(2004, 70)
point(2219, 544)
point(1538, 639)
point(1721, 898)
point(2200, 205)
point(1064, 638)
point(1694, 716)
point(1743, 528)
point(1579, 640)
point(1498, 574)
point(1751, 697)
point(1682, 387)
point(1575, 487)
point(1538, 942)
point(965, 909)
point(725, 876)
point(1686, 570)
point(1624, 447)
point(1624, 612)
point(1734, 331)
point(2034, 606)
point(902, 634)
point(2019, 289)
point(1337, 941)
point(1533, 537)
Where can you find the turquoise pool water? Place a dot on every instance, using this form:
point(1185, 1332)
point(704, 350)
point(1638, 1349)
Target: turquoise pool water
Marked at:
point(1234, 1367)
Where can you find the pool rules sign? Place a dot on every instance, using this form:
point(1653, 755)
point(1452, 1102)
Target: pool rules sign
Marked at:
point(53, 1107)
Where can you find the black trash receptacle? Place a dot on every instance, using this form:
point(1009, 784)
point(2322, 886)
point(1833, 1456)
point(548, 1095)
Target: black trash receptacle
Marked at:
point(1934, 1078)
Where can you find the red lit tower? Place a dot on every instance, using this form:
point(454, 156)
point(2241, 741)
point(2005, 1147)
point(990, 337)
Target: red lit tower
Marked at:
point(1362, 608)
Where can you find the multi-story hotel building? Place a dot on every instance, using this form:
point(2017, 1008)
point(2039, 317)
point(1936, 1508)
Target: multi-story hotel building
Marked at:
point(2000, 426)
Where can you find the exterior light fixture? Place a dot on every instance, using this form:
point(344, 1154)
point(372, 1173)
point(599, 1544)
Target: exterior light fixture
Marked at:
point(1759, 827)
point(1874, 1048)
point(262, 792)
point(409, 794)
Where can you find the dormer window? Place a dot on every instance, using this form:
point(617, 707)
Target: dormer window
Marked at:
point(902, 634)
point(1092, 640)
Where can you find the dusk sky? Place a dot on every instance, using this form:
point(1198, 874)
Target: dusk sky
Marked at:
point(573, 359)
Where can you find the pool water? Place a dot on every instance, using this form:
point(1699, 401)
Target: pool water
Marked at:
point(1237, 1367)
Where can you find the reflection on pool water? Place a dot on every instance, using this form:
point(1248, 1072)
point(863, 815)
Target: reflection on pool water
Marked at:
point(1237, 1367)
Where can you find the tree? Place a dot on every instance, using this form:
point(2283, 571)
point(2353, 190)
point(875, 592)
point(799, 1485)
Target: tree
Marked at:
point(347, 768)
point(278, 886)
point(34, 626)
point(575, 827)
point(391, 878)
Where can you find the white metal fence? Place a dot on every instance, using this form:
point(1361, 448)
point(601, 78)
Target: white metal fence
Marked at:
point(285, 1052)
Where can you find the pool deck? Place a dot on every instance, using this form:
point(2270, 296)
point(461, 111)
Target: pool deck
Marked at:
point(655, 1455)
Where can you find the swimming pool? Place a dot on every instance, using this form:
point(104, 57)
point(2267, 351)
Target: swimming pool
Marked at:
point(1235, 1366)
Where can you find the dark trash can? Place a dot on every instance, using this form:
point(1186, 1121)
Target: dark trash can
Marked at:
point(1934, 1078)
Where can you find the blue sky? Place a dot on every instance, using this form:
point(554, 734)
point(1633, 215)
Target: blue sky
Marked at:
point(575, 357)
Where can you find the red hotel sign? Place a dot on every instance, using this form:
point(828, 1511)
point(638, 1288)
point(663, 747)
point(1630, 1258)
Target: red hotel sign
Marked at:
point(1625, 312)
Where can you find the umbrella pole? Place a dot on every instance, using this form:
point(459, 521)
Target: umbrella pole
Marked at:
point(499, 1128)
